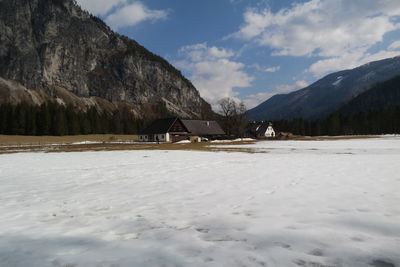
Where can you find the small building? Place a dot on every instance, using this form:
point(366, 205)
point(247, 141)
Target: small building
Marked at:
point(265, 130)
point(284, 136)
point(175, 129)
point(260, 130)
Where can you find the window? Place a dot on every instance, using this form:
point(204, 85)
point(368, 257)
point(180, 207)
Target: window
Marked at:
point(162, 136)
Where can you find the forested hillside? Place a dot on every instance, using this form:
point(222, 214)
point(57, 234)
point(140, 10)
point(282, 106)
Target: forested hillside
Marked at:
point(382, 95)
point(376, 111)
point(378, 121)
point(326, 95)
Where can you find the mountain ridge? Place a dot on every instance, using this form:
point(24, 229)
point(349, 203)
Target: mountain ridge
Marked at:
point(46, 44)
point(327, 94)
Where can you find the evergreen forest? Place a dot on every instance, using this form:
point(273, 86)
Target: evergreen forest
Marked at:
point(376, 122)
point(376, 111)
point(53, 119)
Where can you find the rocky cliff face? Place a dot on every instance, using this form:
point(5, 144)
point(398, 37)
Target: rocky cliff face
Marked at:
point(47, 44)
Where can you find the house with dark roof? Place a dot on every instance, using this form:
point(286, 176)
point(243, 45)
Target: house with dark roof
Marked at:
point(260, 130)
point(265, 130)
point(175, 129)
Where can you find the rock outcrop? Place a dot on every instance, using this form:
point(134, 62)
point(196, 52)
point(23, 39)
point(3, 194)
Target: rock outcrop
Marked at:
point(48, 46)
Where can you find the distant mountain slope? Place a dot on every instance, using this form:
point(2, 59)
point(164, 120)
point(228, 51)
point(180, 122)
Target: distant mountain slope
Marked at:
point(327, 94)
point(381, 95)
point(47, 44)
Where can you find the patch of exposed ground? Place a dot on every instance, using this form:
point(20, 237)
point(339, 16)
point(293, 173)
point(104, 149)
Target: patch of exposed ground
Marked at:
point(118, 144)
point(108, 142)
point(20, 140)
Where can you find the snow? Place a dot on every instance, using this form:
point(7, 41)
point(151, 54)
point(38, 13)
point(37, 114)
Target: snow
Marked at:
point(183, 142)
point(379, 145)
point(86, 143)
point(338, 81)
point(234, 140)
point(101, 142)
point(243, 139)
point(296, 203)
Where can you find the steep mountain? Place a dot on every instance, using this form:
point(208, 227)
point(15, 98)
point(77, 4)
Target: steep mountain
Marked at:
point(383, 95)
point(52, 49)
point(327, 94)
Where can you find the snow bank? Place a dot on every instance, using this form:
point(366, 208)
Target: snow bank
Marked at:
point(86, 143)
point(183, 142)
point(317, 205)
point(234, 140)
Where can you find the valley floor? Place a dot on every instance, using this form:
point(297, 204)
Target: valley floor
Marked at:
point(290, 203)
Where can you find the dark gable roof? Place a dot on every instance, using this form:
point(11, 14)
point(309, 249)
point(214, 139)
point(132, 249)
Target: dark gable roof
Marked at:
point(159, 126)
point(253, 127)
point(196, 127)
point(199, 127)
point(263, 127)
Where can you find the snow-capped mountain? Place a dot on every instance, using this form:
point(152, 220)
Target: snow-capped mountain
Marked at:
point(327, 94)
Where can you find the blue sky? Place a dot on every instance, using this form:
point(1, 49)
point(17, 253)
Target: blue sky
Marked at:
point(251, 50)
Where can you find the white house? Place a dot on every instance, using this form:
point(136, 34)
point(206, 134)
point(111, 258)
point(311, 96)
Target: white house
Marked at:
point(265, 130)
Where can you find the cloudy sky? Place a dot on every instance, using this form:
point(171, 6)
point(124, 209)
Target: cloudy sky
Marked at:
point(253, 49)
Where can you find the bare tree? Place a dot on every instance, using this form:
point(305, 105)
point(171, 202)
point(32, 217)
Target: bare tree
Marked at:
point(241, 121)
point(228, 107)
point(233, 117)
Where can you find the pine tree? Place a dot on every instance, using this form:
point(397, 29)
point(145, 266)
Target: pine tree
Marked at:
point(43, 120)
point(31, 123)
point(3, 118)
point(73, 127)
point(59, 122)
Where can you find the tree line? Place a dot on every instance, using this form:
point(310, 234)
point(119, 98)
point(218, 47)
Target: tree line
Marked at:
point(375, 111)
point(376, 121)
point(384, 120)
point(54, 119)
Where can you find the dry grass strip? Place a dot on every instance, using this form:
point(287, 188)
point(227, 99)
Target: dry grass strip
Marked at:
point(19, 140)
point(15, 144)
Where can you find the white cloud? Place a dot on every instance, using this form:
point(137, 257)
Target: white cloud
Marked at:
point(287, 88)
point(255, 24)
point(265, 69)
point(348, 61)
point(213, 73)
point(120, 13)
point(323, 28)
point(254, 100)
point(272, 69)
point(394, 45)
point(100, 7)
point(201, 52)
point(133, 14)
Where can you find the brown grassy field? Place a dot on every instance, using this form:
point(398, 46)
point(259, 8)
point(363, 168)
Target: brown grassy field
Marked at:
point(19, 140)
point(15, 144)
point(64, 144)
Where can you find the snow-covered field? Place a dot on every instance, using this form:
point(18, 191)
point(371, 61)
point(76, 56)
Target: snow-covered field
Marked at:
point(301, 203)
